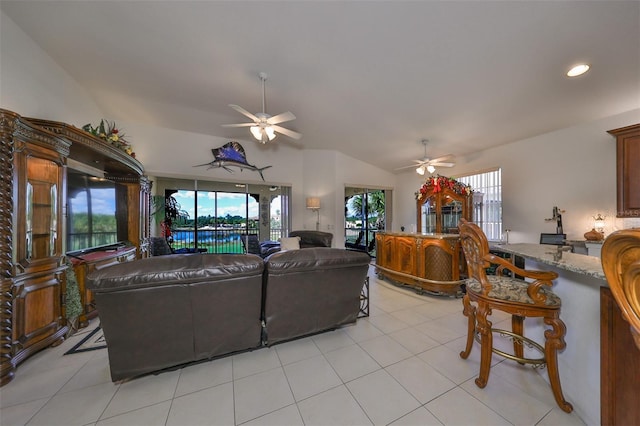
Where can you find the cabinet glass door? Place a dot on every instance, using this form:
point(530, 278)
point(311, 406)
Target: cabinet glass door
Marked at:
point(41, 208)
point(451, 214)
point(428, 214)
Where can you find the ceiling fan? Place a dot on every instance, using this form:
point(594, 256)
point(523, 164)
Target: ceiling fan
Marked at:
point(427, 164)
point(264, 126)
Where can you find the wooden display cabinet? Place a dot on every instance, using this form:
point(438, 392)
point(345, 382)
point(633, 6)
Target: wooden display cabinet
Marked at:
point(32, 257)
point(430, 260)
point(627, 170)
point(440, 209)
point(34, 155)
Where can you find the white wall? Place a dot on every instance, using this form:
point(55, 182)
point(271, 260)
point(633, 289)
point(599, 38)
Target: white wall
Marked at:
point(572, 168)
point(33, 85)
point(319, 181)
point(326, 174)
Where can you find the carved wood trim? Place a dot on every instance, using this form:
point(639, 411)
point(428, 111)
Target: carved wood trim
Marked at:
point(87, 140)
point(7, 127)
point(24, 131)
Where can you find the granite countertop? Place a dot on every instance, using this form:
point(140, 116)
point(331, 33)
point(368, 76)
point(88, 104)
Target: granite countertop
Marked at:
point(579, 263)
point(421, 235)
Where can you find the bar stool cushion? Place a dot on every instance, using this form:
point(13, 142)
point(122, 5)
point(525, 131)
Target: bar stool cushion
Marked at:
point(512, 290)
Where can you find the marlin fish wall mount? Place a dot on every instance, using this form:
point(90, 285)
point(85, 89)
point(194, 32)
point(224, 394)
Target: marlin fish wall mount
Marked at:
point(229, 155)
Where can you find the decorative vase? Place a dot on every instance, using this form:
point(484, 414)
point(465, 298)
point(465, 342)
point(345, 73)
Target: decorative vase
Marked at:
point(594, 235)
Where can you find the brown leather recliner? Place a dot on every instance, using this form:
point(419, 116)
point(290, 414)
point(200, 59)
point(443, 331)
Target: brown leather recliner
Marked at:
point(166, 311)
point(310, 238)
point(311, 290)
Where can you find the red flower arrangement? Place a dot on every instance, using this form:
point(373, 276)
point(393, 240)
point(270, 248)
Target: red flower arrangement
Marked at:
point(437, 183)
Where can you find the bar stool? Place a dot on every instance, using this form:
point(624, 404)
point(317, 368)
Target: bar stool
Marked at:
point(515, 296)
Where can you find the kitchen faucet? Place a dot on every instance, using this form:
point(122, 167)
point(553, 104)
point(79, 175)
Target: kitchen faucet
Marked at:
point(557, 216)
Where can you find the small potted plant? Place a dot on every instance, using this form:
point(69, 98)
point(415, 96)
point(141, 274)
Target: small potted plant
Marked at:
point(73, 306)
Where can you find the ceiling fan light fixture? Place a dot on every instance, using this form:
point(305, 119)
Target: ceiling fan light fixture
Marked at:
point(420, 170)
point(271, 134)
point(256, 131)
point(430, 168)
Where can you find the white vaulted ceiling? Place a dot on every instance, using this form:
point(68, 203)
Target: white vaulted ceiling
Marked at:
point(369, 79)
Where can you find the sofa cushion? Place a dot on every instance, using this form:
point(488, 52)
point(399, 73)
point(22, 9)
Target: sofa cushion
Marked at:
point(310, 259)
point(174, 268)
point(291, 243)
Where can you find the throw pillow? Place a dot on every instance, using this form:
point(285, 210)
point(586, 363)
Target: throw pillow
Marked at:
point(291, 243)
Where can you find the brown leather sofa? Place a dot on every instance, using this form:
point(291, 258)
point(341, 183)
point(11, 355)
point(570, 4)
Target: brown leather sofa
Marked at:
point(162, 312)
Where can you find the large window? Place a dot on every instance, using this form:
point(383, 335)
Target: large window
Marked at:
point(487, 211)
point(214, 216)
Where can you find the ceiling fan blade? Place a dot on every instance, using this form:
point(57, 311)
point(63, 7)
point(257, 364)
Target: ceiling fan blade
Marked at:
point(239, 125)
point(244, 112)
point(444, 157)
point(281, 118)
point(443, 164)
point(287, 132)
point(407, 167)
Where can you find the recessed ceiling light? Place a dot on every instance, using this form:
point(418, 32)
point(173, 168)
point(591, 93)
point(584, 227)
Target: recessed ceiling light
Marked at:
point(578, 70)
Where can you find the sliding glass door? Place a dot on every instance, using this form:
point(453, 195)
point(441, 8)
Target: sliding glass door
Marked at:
point(365, 213)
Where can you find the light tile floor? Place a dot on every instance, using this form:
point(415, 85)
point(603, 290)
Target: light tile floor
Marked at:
point(400, 366)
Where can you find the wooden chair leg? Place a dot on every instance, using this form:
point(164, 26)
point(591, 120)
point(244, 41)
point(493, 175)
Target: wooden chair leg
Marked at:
point(486, 343)
point(554, 341)
point(517, 327)
point(470, 312)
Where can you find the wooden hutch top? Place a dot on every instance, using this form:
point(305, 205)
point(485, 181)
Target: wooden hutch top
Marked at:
point(93, 151)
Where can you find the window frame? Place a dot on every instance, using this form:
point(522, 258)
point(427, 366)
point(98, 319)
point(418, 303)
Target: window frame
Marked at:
point(487, 212)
